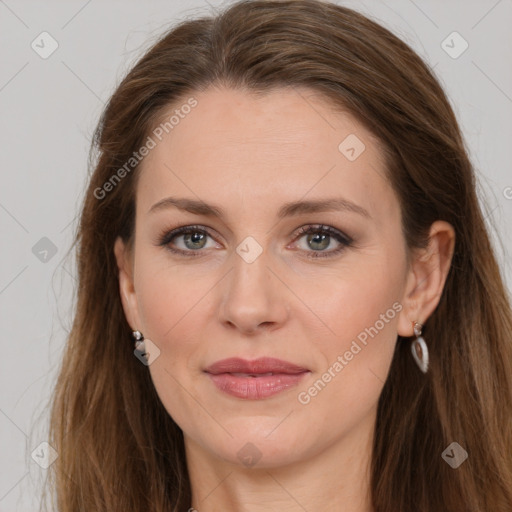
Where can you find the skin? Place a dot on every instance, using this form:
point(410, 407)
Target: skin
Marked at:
point(249, 155)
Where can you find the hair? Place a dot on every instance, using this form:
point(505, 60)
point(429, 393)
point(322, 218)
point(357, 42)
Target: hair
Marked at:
point(119, 449)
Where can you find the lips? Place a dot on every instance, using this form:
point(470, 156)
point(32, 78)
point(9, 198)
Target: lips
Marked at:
point(253, 380)
point(259, 366)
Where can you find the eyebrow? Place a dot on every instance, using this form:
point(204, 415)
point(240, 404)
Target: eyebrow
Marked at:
point(287, 210)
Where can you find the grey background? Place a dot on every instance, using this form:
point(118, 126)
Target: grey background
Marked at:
point(49, 108)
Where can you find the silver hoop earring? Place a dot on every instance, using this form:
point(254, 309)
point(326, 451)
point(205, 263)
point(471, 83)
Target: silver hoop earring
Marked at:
point(139, 341)
point(419, 348)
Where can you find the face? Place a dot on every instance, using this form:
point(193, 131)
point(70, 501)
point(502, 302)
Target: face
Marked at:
point(267, 272)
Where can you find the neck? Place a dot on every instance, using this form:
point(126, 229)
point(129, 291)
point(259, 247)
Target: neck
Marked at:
point(335, 479)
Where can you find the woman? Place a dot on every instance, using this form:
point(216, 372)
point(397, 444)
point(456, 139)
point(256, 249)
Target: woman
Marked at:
point(282, 219)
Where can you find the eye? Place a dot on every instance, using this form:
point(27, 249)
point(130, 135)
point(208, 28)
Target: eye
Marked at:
point(190, 240)
point(320, 237)
point(193, 240)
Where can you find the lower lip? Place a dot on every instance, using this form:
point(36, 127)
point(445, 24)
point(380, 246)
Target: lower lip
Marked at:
point(255, 388)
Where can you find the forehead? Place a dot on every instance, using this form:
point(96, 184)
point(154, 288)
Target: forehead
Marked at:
point(239, 149)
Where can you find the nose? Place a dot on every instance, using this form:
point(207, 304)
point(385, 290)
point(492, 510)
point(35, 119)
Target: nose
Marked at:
point(254, 299)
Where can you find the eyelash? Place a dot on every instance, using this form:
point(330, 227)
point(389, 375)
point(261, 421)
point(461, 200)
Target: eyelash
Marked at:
point(167, 236)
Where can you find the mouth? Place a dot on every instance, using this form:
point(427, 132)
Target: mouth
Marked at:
point(257, 379)
point(251, 374)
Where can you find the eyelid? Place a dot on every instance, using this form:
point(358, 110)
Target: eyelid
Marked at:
point(330, 230)
point(343, 240)
point(168, 234)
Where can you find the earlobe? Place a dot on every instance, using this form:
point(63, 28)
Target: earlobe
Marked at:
point(126, 283)
point(427, 276)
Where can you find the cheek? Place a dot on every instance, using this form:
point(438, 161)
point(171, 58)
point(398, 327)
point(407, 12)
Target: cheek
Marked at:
point(362, 316)
point(169, 296)
point(173, 302)
point(347, 386)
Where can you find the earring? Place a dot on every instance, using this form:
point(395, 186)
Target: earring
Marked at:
point(139, 341)
point(419, 348)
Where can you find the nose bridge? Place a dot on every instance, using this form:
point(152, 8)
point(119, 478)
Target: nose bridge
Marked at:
point(252, 294)
point(250, 275)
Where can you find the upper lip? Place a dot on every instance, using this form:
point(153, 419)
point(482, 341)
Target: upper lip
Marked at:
point(256, 366)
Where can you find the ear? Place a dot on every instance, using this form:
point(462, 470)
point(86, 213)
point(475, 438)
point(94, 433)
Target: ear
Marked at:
point(426, 277)
point(124, 258)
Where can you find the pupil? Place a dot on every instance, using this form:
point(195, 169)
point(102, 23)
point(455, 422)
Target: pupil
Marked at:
point(196, 237)
point(322, 237)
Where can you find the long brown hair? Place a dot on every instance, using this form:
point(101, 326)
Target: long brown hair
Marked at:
point(119, 450)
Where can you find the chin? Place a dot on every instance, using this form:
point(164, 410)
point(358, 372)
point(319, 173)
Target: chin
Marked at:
point(259, 447)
